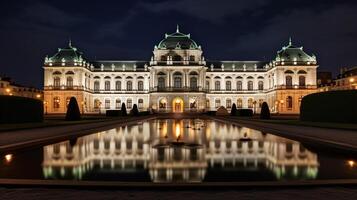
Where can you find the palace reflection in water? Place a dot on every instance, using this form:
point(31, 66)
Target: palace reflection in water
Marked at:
point(179, 151)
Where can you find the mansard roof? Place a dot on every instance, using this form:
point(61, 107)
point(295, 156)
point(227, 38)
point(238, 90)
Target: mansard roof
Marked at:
point(177, 40)
point(69, 54)
point(292, 53)
point(237, 65)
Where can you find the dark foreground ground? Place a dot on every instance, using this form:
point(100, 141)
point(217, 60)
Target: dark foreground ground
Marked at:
point(288, 194)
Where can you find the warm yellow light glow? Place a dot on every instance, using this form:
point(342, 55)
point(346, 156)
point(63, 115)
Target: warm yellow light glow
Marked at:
point(38, 96)
point(281, 101)
point(8, 158)
point(352, 80)
point(177, 130)
point(178, 101)
point(351, 163)
point(8, 90)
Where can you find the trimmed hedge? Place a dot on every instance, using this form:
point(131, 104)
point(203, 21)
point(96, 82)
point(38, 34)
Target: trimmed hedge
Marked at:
point(264, 111)
point(112, 113)
point(234, 110)
point(14, 109)
point(332, 106)
point(134, 111)
point(73, 112)
point(211, 112)
point(245, 112)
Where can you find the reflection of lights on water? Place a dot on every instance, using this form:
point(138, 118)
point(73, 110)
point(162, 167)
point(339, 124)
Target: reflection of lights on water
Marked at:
point(8, 158)
point(351, 163)
point(178, 131)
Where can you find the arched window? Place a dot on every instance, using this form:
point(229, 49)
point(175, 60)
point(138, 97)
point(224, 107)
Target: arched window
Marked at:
point(228, 103)
point(97, 103)
point(289, 102)
point(117, 104)
point(161, 82)
point(107, 85)
point(217, 103)
point(56, 82)
point(96, 85)
point(250, 103)
point(302, 80)
point(228, 85)
point(140, 85)
point(193, 82)
point(239, 103)
point(250, 85)
point(56, 103)
point(163, 58)
point(129, 86)
point(192, 58)
point(177, 82)
point(107, 104)
point(69, 82)
point(217, 85)
point(261, 85)
point(140, 103)
point(239, 85)
point(129, 103)
point(118, 85)
point(288, 81)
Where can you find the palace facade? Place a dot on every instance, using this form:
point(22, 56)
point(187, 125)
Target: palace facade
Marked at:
point(178, 78)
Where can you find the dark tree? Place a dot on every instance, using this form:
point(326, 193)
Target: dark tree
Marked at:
point(265, 112)
point(123, 110)
point(134, 111)
point(234, 110)
point(73, 113)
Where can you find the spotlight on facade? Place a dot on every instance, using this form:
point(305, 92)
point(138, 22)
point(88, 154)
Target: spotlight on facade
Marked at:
point(351, 163)
point(38, 96)
point(8, 158)
point(352, 80)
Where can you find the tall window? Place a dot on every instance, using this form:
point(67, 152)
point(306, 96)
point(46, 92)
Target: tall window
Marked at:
point(67, 101)
point(193, 82)
point(129, 86)
point(217, 103)
point(228, 103)
point(107, 104)
point(250, 103)
point(208, 103)
point(118, 85)
point(302, 81)
point(239, 85)
point(228, 85)
point(289, 102)
point(250, 85)
point(129, 103)
point(161, 82)
point(140, 85)
point(177, 82)
point(217, 85)
point(57, 82)
point(240, 103)
point(261, 85)
point(140, 103)
point(107, 85)
point(56, 102)
point(69, 82)
point(288, 81)
point(207, 85)
point(96, 85)
point(117, 104)
point(96, 104)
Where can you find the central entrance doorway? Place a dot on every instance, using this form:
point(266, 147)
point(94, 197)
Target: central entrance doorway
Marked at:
point(177, 105)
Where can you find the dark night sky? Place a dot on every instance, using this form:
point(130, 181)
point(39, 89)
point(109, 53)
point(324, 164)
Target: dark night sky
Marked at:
point(226, 29)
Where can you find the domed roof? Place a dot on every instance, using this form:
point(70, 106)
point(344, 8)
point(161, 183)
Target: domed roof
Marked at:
point(67, 54)
point(177, 40)
point(291, 53)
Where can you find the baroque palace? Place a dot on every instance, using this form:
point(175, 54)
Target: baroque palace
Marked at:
point(178, 78)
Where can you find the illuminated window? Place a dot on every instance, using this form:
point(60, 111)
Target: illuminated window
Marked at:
point(140, 103)
point(56, 102)
point(289, 102)
point(96, 103)
point(228, 85)
point(117, 104)
point(129, 86)
point(239, 85)
point(239, 103)
point(107, 104)
point(228, 103)
point(129, 103)
point(140, 85)
point(217, 85)
point(217, 103)
point(250, 103)
point(107, 85)
point(118, 85)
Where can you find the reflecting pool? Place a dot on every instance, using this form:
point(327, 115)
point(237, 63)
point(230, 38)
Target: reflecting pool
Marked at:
point(182, 150)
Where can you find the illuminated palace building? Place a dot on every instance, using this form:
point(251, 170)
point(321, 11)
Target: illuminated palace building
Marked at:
point(178, 79)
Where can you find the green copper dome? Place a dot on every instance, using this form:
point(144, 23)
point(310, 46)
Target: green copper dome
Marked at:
point(68, 54)
point(177, 40)
point(293, 54)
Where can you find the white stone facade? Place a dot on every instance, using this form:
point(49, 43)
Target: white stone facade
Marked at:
point(178, 79)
